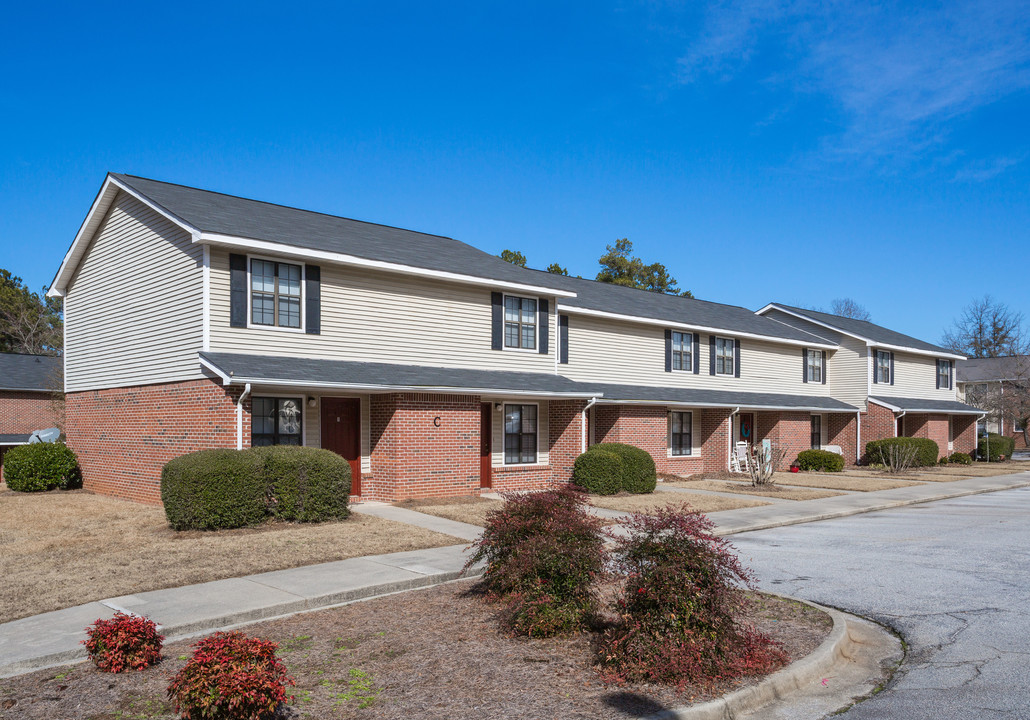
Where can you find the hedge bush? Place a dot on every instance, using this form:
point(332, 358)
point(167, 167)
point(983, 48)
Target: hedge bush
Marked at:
point(598, 471)
point(820, 460)
point(1000, 446)
point(960, 458)
point(41, 466)
point(927, 451)
point(125, 642)
point(214, 489)
point(639, 474)
point(305, 484)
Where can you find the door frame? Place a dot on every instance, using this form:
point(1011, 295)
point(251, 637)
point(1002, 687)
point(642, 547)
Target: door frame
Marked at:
point(355, 476)
point(486, 444)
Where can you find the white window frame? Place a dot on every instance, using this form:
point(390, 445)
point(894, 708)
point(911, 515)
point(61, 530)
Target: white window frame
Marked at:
point(251, 325)
point(876, 367)
point(813, 361)
point(822, 431)
point(504, 434)
point(668, 437)
point(689, 352)
point(289, 396)
point(733, 355)
point(536, 323)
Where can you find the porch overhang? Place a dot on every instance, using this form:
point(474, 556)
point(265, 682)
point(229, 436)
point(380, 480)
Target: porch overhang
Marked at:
point(703, 398)
point(922, 405)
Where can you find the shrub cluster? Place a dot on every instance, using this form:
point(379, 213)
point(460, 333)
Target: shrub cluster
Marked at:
point(37, 467)
point(230, 676)
point(926, 451)
point(543, 553)
point(125, 642)
point(607, 468)
point(1000, 447)
point(218, 489)
point(820, 460)
point(680, 606)
point(960, 458)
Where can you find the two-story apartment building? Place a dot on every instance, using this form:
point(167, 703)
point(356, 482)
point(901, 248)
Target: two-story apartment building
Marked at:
point(195, 319)
point(1001, 386)
point(27, 404)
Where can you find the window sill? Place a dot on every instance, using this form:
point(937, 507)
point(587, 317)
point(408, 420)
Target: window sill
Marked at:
point(522, 466)
point(683, 457)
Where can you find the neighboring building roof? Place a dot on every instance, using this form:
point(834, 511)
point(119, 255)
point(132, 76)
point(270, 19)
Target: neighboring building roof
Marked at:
point(922, 405)
point(9, 439)
point(621, 300)
point(1010, 367)
point(865, 330)
point(310, 372)
point(36, 373)
point(719, 398)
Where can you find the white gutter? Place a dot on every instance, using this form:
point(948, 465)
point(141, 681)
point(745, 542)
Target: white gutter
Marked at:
point(605, 401)
point(583, 425)
point(896, 418)
point(239, 416)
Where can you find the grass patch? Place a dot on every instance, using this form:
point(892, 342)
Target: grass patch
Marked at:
point(67, 548)
point(867, 482)
point(467, 509)
point(693, 501)
point(784, 493)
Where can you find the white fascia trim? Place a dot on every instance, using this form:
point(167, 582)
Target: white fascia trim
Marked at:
point(723, 332)
point(104, 198)
point(670, 403)
point(22, 389)
point(352, 260)
point(913, 351)
point(226, 379)
point(495, 392)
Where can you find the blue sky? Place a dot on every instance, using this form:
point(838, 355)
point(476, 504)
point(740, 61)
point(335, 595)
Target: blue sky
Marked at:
point(762, 150)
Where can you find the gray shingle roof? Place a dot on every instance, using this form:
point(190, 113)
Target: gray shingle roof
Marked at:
point(1013, 367)
point(721, 398)
point(301, 371)
point(13, 439)
point(868, 330)
point(924, 405)
point(29, 372)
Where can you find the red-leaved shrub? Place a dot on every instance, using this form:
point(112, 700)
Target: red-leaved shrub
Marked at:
point(232, 677)
point(125, 642)
point(680, 609)
point(543, 553)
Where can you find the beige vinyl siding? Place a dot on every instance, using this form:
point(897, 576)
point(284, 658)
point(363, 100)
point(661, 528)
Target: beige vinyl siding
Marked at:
point(134, 309)
point(497, 431)
point(375, 316)
point(602, 350)
point(848, 372)
point(915, 376)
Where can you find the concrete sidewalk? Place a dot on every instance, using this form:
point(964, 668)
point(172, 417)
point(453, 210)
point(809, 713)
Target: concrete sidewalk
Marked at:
point(55, 638)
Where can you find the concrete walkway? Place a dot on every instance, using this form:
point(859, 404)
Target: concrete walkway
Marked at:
point(54, 638)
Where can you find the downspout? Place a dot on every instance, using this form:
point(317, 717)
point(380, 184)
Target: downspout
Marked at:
point(583, 424)
point(729, 436)
point(239, 416)
point(896, 418)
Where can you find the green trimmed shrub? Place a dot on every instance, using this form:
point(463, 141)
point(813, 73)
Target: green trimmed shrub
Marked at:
point(213, 490)
point(820, 460)
point(639, 474)
point(960, 458)
point(305, 484)
point(41, 466)
point(943, 460)
point(1000, 446)
point(927, 451)
point(598, 471)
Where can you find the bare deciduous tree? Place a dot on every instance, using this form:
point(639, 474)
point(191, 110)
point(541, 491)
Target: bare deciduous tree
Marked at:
point(762, 462)
point(987, 329)
point(846, 307)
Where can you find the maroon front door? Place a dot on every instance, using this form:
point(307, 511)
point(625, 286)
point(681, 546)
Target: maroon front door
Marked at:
point(341, 425)
point(747, 428)
point(485, 435)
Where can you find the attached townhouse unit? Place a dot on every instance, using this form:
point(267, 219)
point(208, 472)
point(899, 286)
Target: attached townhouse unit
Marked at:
point(27, 386)
point(195, 320)
point(1000, 385)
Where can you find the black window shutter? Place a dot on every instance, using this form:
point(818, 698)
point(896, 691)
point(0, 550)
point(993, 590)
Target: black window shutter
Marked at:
point(938, 374)
point(696, 355)
point(711, 354)
point(497, 321)
point(563, 339)
point(876, 367)
point(668, 350)
point(544, 311)
point(237, 290)
point(313, 299)
point(826, 370)
point(804, 365)
point(892, 368)
point(736, 358)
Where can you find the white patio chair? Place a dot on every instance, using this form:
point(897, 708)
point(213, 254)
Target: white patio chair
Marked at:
point(739, 459)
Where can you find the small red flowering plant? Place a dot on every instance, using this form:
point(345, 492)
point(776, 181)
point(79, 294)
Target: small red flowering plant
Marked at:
point(125, 642)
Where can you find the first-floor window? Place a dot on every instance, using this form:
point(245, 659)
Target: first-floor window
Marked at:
point(817, 432)
point(520, 434)
point(680, 432)
point(682, 347)
point(275, 421)
point(723, 356)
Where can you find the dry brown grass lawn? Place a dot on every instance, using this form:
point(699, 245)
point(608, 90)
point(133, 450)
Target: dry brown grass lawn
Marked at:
point(784, 493)
point(841, 481)
point(653, 501)
point(60, 549)
point(947, 473)
point(472, 510)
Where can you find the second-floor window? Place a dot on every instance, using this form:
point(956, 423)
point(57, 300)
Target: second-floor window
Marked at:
point(814, 366)
point(680, 433)
point(723, 356)
point(944, 374)
point(519, 322)
point(883, 367)
point(275, 293)
point(682, 348)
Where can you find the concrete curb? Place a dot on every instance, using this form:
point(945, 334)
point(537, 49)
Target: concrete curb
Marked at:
point(790, 680)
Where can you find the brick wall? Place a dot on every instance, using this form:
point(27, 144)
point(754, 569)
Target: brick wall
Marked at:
point(124, 436)
point(23, 412)
point(964, 433)
point(877, 424)
point(789, 431)
point(842, 429)
point(931, 426)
